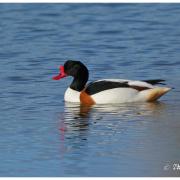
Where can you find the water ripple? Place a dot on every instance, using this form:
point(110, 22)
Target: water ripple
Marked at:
point(43, 136)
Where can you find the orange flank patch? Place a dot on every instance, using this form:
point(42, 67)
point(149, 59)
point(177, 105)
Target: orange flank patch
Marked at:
point(86, 99)
point(153, 96)
point(156, 93)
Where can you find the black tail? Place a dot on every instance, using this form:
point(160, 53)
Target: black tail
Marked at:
point(155, 81)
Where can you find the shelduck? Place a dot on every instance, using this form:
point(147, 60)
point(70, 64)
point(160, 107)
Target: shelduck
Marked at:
point(107, 91)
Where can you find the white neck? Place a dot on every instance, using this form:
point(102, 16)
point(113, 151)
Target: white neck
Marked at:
point(72, 95)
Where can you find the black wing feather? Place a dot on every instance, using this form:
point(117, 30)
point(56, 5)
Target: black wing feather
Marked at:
point(154, 81)
point(99, 86)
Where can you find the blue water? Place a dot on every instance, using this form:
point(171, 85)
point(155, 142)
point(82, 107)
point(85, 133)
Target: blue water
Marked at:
point(41, 135)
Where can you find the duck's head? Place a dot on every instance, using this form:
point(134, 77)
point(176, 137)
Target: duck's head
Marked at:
point(75, 69)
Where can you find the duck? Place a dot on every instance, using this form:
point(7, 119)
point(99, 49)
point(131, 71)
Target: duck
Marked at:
point(107, 91)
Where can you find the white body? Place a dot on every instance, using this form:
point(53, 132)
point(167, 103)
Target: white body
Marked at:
point(119, 95)
point(72, 96)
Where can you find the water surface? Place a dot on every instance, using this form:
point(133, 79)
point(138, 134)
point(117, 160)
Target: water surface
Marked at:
point(43, 136)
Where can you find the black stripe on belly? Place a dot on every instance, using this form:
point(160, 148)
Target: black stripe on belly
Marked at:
point(98, 86)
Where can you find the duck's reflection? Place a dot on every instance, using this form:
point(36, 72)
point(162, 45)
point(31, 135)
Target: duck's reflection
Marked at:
point(77, 117)
point(131, 109)
point(82, 125)
point(74, 124)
